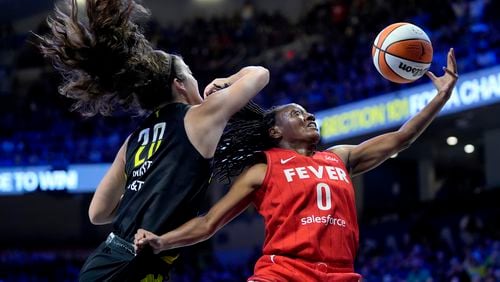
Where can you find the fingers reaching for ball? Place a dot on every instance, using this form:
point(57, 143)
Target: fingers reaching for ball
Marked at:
point(447, 81)
point(451, 67)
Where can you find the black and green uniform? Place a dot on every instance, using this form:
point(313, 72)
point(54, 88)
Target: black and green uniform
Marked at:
point(166, 183)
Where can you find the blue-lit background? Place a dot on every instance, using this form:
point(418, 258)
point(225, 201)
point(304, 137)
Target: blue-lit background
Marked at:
point(429, 214)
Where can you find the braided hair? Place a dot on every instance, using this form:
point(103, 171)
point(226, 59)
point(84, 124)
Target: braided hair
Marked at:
point(105, 59)
point(246, 136)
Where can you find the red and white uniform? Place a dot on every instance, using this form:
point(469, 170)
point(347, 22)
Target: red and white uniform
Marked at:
point(310, 216)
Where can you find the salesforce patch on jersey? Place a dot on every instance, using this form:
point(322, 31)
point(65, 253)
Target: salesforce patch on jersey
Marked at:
point(325, 220)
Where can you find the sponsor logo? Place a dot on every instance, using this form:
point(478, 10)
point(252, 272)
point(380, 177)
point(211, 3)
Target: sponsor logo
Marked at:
point(414, 71)
point(136, 185)
point(284, 161)
point(325, 220)
point(142, 169)
point(330, 158)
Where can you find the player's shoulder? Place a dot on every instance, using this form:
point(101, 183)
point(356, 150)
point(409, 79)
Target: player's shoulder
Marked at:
point(342, 151)
point(257, 168)
point(254, 175)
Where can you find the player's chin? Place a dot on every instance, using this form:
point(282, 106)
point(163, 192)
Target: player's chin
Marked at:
point(313, 135)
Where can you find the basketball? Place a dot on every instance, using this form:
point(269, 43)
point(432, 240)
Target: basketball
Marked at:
point(402, 52)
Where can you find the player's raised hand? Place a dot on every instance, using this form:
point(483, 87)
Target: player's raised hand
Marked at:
point(447, 81)
point(214, 86)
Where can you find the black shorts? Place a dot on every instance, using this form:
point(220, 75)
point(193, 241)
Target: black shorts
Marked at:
point(115, 260)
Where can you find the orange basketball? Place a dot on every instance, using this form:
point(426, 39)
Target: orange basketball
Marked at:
point(402, 52)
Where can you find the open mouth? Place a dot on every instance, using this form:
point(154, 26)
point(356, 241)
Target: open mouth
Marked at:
point(312, 125)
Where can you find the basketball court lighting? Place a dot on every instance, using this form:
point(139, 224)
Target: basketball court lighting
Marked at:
point(469, 148)
point(452, 140)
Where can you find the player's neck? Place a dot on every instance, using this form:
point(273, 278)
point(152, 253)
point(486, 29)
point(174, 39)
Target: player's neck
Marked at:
point(306, 150)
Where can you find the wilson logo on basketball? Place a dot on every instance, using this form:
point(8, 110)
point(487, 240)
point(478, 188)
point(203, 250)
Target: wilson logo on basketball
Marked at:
point(414, 71)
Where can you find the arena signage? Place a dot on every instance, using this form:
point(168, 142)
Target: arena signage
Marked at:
point(473, 90)
point(73, 179)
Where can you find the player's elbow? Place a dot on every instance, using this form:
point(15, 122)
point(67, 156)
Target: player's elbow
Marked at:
point(404, 139)
point(264, 72)
point(209, 228)
point(263, 75)
point(98, 218)
point(94, 219)
point(403, 145)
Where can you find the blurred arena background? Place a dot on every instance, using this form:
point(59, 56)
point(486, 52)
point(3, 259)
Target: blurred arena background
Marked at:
point(431, 213)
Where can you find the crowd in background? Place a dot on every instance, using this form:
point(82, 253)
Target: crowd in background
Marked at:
point(321, 61)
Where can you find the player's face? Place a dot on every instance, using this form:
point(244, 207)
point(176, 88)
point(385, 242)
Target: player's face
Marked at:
point(191, 85)
point(297, 125)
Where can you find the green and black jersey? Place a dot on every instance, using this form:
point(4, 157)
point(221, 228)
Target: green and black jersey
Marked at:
point(166, 176)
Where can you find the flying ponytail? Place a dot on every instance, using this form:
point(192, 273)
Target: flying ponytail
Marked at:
point(105, 60)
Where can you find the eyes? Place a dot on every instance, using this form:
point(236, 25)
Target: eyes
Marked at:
point(301, 113)
point(296, 113)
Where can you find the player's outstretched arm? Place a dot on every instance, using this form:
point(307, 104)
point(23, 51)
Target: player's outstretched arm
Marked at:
point(369, 154)
point(203, 227)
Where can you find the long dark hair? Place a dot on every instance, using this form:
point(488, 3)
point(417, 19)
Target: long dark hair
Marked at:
point(105, 60)
point(245, 137)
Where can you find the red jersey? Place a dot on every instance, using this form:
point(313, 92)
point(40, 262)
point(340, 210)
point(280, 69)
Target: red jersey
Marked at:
point(309, 208)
